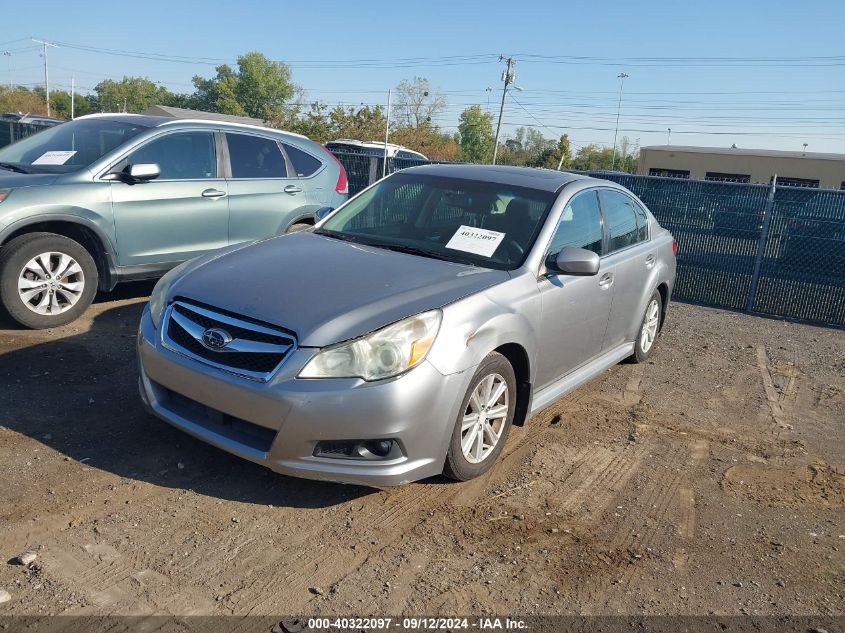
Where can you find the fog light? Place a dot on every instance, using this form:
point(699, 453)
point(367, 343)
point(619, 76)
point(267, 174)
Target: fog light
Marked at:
point(380, 448)
point(359, 449)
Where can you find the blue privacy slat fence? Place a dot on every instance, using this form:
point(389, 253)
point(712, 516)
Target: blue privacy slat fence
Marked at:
point(772, 250)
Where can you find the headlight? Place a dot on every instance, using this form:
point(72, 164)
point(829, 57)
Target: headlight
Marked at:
point(4, 193)
point(383, 354)
point(159, 294)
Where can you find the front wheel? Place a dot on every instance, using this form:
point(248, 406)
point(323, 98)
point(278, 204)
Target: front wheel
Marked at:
point(649, 328)
point(46, 280)
point(484, 420)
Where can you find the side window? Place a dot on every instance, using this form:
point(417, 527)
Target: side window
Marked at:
point(303, 163)
point(180, 156)
point(620, 219)
point(642, 223)
point(255, 157)
point(580, 225)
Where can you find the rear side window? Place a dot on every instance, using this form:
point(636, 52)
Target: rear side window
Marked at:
point(620, 219)
point(642, 223)
point(580, 225)
point(303, 163)
point(255, 157)
point(180, 156)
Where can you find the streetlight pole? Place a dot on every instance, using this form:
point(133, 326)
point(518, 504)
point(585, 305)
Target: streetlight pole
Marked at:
point(621, 77)
point(669, 137)
point(386, 136)
point(8, 57)
point(45, 44)
point(507, 78)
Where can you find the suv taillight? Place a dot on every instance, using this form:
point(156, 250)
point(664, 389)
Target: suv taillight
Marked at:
point(342, 186)
point(674, 246)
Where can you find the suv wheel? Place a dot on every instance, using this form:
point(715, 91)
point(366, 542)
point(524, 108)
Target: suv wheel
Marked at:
point(485, 418)
point(46, 280)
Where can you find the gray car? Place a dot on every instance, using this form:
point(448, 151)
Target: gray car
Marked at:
point(111, 198)
point(404, 335)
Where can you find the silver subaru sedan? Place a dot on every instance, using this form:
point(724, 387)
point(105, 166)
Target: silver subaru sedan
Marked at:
point(406, 333)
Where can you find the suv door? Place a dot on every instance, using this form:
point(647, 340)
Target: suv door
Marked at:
point(574, 310)
point(179, 215)
point(265, 193)
point(631, 255)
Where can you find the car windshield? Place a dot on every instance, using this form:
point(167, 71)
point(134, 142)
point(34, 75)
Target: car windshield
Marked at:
point(67, 147)
point(464, 221)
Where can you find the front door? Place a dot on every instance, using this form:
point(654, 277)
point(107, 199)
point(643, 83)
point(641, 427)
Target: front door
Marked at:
point(574, 309)
point(179, 215)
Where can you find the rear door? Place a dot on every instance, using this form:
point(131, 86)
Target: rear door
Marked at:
point(179, 215)
point(631, 255)
point(574, 309)
point(265, 193)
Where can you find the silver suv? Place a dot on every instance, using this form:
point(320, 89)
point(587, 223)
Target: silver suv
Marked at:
point(110, 198)
point(404, 335)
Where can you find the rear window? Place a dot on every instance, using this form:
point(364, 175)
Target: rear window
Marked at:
point(303, 163)
point(255, 157)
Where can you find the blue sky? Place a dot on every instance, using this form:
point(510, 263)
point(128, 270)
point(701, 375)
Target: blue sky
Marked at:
point(753, 101)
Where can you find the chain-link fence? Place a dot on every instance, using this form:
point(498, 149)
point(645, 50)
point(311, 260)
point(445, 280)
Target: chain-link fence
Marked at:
point(11, 131)
point(767, 249)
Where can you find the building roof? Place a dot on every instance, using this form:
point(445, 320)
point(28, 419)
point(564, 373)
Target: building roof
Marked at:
point(529, 177)
point(184, 113)
point(741, 151)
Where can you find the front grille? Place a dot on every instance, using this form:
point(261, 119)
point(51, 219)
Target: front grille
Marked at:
point(254, 350)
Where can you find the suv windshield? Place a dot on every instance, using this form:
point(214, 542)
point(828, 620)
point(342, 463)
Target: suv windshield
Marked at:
point(68, 147)
point(464, 221)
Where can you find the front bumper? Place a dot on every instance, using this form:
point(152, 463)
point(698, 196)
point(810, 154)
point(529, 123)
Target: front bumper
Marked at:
point(279, 423)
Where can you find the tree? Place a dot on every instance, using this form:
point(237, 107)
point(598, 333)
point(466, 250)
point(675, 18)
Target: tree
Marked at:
point(260, 88)
point(60, 104)
point(20, 99)
point(417, 104)
point(131, 94)
point(527, 146)
point(475, 135)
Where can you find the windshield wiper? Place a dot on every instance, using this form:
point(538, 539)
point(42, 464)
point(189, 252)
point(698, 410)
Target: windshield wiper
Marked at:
point(338, 236)
point(13, 167)
point(412, 250)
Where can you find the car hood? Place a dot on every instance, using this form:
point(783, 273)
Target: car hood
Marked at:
point(12, 179)
point(326, 290)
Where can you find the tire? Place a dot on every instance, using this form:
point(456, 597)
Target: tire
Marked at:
point(23, 275)
point(649, 329)
point(299, 226)
point(458, 465)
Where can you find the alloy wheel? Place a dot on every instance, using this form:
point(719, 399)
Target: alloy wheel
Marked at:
point(484, 418)
point(51, 283)
point(650, 325)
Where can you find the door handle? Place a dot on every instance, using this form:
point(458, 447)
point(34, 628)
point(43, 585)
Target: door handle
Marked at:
point(649, 261)
point(213, 193)
point(292, 189)
point(606, 281)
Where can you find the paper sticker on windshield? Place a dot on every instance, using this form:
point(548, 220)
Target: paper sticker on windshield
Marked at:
point(54, 158)
point(474, 240)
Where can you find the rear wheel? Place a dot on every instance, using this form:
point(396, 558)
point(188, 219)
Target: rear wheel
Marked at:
point(649, 328)
point(46, 280)
point(484, 421)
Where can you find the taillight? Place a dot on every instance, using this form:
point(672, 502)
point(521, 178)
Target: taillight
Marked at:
point(342, 186)
point(674, 246)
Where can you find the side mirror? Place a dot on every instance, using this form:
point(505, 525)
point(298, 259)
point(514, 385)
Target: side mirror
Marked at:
point(575, 261)
point(143, 171)
point(323, 212)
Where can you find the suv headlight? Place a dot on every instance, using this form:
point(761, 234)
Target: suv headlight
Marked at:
point(382, 354)
point(159, 294)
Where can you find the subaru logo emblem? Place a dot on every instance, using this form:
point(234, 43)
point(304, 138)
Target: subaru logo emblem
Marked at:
point(216, 339)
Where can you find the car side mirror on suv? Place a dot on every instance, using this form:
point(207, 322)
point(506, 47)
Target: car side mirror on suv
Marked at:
point(140, 172)
point(574, 261)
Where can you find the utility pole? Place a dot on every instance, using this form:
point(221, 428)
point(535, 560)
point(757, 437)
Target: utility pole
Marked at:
point(488, 90)
point(72, 95)
point(507, 78)
point(46, 44)
point(386, 135)
point(8, 57)
point(621, 77)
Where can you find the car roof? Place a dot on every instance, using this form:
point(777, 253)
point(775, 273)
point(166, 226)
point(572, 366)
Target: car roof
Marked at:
point(159, 121)
point(529, 177)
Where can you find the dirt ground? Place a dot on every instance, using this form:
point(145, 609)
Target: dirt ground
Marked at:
point(710, 480)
